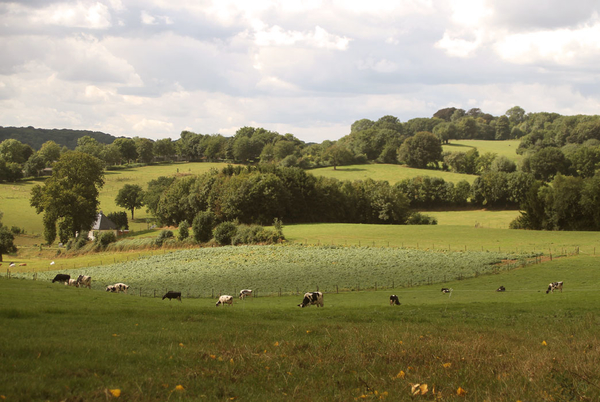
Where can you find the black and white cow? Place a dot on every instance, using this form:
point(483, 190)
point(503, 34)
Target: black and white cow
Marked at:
point(71, 282)
point(225, 299)
point(311, 298)
point(244, 293)
point(394, 300)
point(554, 286)
point(62, 278)
point(111, 288)
point(501, 289)
point(172, 295)
point(446, 290)
point(84, 281)
point(120, 287)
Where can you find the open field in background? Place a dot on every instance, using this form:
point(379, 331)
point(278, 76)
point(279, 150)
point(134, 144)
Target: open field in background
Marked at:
point(480, 218)
point(494, 346)
point(502, 148)
point(390, 173)
point(14, 197)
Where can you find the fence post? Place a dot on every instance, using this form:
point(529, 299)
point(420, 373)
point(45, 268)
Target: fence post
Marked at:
point(376, 286)
point(336, 289)
point(140, 292)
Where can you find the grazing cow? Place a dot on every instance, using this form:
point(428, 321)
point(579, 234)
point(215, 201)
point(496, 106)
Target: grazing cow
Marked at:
point(52, 263)
point(311, 298)
point(394, 300)
point(446, 290)
point(84, 281)
point(244, 293)
point(554, 286)
point(121, 287)
point(172, 295)
point(501, 289)
point(12, 264)
point(225, 299)
point(61, 278)
point(71, 282)
point(23, 265)
point(111, 288)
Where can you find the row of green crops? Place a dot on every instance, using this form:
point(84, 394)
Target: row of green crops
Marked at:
point(289, 269)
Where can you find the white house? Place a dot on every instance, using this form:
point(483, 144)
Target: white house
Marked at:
point(102, 224)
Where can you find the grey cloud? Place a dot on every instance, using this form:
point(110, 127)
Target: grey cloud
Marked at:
point(546, 14)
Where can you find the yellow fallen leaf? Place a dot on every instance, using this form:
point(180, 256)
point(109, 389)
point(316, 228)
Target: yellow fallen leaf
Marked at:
point(401, 374)
point(276, 344)
point(447, 365)
point(115, 392)
point(419, 389)
point(231, 361)
point(544, 343)
point(179, 388)
point(461, 392)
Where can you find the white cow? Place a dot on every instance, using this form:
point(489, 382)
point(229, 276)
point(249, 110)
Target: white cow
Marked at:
point(225, 299)
point(117, 287)
point(311, 298)
point(84, 281)
point(244, 293)
point(71, 282)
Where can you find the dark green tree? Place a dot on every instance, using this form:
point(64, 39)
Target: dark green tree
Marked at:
point(127, 149)
point(69, 198)
point(421, 150)
point(130, 197)
point(203, 225)
point(7, 240)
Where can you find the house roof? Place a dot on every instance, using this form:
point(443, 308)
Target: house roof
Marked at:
point(103, 223)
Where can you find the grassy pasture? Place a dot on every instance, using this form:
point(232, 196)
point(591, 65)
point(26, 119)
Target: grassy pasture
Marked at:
point(446, 237)
point(481, 218)
point(14, 197)
point(64, 343)
point(390, 173)
point(506, 148)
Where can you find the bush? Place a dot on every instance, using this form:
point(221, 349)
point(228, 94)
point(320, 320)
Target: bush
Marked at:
point(203, 225)
point(255, 234)
point(184, 231)
point(225, 232)
point(418, 218)
point(16, 230)
point(105, 238)
point(119, 219)
point(162, 236)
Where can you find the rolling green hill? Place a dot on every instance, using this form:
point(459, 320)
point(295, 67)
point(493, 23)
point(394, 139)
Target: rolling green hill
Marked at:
point(35, 137)
point(502, 148)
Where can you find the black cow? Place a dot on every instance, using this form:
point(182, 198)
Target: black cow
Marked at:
point(62, 278)
point(446, 290)
point(311, 298)
point(501, 289)
point(172, 295)
point(394, 300)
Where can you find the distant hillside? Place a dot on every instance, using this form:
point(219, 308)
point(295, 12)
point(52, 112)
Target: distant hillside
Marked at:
point(37, 136)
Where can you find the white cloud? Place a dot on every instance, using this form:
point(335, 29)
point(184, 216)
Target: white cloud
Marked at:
point(459, 47)
point(380, 66)
point(563, 46)
point(77, 15)
point(319, 38)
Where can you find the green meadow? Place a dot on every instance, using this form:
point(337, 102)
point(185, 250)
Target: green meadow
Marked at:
point(63, 343)
point(390, 173)
point(506, 148)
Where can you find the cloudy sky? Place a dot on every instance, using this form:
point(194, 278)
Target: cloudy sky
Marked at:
point(153, 68)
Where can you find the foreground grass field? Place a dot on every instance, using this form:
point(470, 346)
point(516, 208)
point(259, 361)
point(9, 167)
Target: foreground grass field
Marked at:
point(474, 344)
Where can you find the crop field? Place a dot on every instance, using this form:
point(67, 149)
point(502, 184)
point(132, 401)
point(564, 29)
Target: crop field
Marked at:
point(288, 269)
point(506, 148)
point(390, 173)
point(474, 344)
point(481, 218)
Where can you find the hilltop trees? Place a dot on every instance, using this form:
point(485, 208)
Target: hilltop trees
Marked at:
point(69, 198)
point(7, 239)
point(421, 150)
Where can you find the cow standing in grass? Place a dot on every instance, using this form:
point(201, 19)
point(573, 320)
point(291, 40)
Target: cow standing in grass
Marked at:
point(62, 278)
point(311, 298)
point(244, 293)
point(84, 281)
point(117, 287)
point(394, 300)
point(225, 299)
point(554, 286)
point(172, 295)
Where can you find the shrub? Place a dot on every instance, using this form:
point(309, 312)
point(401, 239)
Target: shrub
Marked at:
point(202, 226)
point(184, 231)
point(119, 219)
point(225, 232)
point(162, 236)
point(16, 230)
point(105, 238)
point(418, 218)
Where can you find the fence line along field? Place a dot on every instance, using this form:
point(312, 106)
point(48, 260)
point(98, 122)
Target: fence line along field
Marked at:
point(289, 269)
